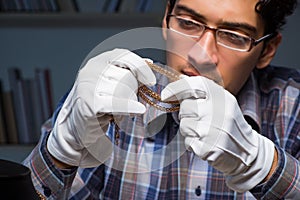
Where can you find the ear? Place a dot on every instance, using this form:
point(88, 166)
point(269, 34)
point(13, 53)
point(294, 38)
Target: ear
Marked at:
point(269, 52)
point(164, 22)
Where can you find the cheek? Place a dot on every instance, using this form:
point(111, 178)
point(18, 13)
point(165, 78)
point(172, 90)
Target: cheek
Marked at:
point(235, 69)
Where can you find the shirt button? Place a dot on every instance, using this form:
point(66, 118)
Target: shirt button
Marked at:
point(198, 190)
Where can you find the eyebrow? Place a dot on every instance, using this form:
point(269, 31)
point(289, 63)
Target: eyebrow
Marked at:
point(190, 11)
point(198, 16)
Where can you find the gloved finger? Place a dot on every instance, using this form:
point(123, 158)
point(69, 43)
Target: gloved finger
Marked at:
point(193, 108)
point(115, 105)
point(119, 87)
point(195, 145)
point(117, 82)
point(188, 87)
point(190, 127)
point(137, 66)
point(200, 147)
point(122, 58)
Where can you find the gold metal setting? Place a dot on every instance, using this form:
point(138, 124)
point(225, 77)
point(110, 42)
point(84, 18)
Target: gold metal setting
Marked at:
point(146, 94)
point(42, 197)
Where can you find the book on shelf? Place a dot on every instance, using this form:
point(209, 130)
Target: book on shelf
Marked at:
point(129, 6)
point(143, 4)
point(10, 120)
point(25, 112)
point(83, 6)
point(112, 6)
point(90, 6)
point(21, 111)
point(29, 5)
point(7, 5)
point(68, 6)
point(32, 103)
point(13, 78)
point(154, 6)
point(37, 113)
point(54, 5)
point(44, 91)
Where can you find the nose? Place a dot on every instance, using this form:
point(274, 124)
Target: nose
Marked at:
point(205, 50)
point(203, 54)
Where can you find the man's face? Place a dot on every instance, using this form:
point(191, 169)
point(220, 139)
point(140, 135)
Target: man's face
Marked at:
point(233, 67)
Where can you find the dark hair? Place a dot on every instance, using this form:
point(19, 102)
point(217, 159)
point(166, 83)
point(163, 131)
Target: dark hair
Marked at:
point(273, 12)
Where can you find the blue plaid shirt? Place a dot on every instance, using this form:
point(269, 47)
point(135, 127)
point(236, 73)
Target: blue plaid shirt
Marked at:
point(270, 103)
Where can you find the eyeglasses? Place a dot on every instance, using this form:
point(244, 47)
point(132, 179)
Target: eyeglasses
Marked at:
point(226, 38)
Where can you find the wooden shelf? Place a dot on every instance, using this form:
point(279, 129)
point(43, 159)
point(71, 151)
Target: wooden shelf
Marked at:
point(69, 20)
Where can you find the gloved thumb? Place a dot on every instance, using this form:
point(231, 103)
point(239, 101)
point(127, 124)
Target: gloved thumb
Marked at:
point(188, 87)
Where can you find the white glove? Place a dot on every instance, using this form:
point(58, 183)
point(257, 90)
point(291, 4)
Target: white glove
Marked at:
point(215, 130)
point(106, 85)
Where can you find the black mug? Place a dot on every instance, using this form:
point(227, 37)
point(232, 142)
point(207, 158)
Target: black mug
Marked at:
point(15, 182)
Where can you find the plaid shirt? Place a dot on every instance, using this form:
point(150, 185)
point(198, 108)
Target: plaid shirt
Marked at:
point(142, 168)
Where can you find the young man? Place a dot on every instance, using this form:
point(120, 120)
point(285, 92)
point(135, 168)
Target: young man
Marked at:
point(235, 136)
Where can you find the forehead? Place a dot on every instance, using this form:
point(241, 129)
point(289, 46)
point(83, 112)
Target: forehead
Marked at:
point(217, 12)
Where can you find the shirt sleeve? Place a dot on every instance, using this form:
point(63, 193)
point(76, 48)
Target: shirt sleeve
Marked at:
point(48, 180)
point(285, 181)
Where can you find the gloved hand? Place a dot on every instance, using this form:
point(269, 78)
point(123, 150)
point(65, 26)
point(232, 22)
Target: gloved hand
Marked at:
point(215, 130)
point(105, 86)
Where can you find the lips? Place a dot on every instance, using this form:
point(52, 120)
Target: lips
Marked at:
point(210, 73)
point(190, 71)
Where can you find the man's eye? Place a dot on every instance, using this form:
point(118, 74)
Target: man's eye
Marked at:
point(233, 38)
point(187, 24)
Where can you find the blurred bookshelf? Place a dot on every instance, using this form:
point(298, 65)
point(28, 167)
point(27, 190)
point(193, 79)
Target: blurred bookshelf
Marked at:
point(73, 13)
point(131, 20)
point(56, 15)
